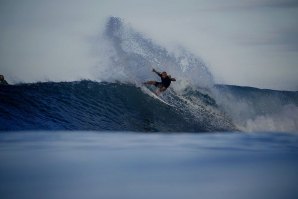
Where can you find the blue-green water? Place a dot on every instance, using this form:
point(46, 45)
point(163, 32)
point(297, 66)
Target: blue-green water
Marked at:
point(141, 165)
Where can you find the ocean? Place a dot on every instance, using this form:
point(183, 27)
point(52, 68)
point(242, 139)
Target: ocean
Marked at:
point(106, 164)
point(107, 138)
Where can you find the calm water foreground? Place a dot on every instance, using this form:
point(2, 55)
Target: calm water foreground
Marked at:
point(139, 165)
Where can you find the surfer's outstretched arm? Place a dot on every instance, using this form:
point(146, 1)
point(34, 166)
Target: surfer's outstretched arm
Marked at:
point(158, 73)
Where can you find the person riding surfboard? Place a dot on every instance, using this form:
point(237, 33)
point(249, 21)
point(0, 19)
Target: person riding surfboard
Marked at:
point(164, 84)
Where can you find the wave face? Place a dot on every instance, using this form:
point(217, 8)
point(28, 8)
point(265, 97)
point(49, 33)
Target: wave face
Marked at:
point(87, 105)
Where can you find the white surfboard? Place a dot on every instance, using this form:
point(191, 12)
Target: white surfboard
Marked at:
point(151, 94)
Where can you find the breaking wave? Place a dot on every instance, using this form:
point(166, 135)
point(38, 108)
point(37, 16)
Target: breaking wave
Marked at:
point(115, 101)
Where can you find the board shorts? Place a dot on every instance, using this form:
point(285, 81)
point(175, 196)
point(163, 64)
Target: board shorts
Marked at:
point(159, 85)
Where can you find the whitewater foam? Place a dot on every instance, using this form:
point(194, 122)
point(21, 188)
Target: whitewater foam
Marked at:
point(283, 121)
point(254, 109)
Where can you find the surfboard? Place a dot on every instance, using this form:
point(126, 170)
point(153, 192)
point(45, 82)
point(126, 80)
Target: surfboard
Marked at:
point(151, 94)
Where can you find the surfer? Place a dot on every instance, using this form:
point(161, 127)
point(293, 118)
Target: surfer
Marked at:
point(164, 84)
point(2, 80)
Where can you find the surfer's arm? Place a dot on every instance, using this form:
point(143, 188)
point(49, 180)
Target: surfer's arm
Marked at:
point(158, 73)
point(171, 78)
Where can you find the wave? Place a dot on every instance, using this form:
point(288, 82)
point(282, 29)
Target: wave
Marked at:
point(114, 101)
point(87, 105)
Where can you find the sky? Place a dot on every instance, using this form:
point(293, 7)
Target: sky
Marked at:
point(243, 42)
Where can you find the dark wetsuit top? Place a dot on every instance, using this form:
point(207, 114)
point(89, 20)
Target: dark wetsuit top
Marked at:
point(165, 82)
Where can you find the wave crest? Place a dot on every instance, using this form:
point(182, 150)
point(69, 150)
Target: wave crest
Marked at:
point(127, 56)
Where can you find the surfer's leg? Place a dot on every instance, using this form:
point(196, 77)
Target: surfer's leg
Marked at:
point(150, 83)
point(160, 90)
